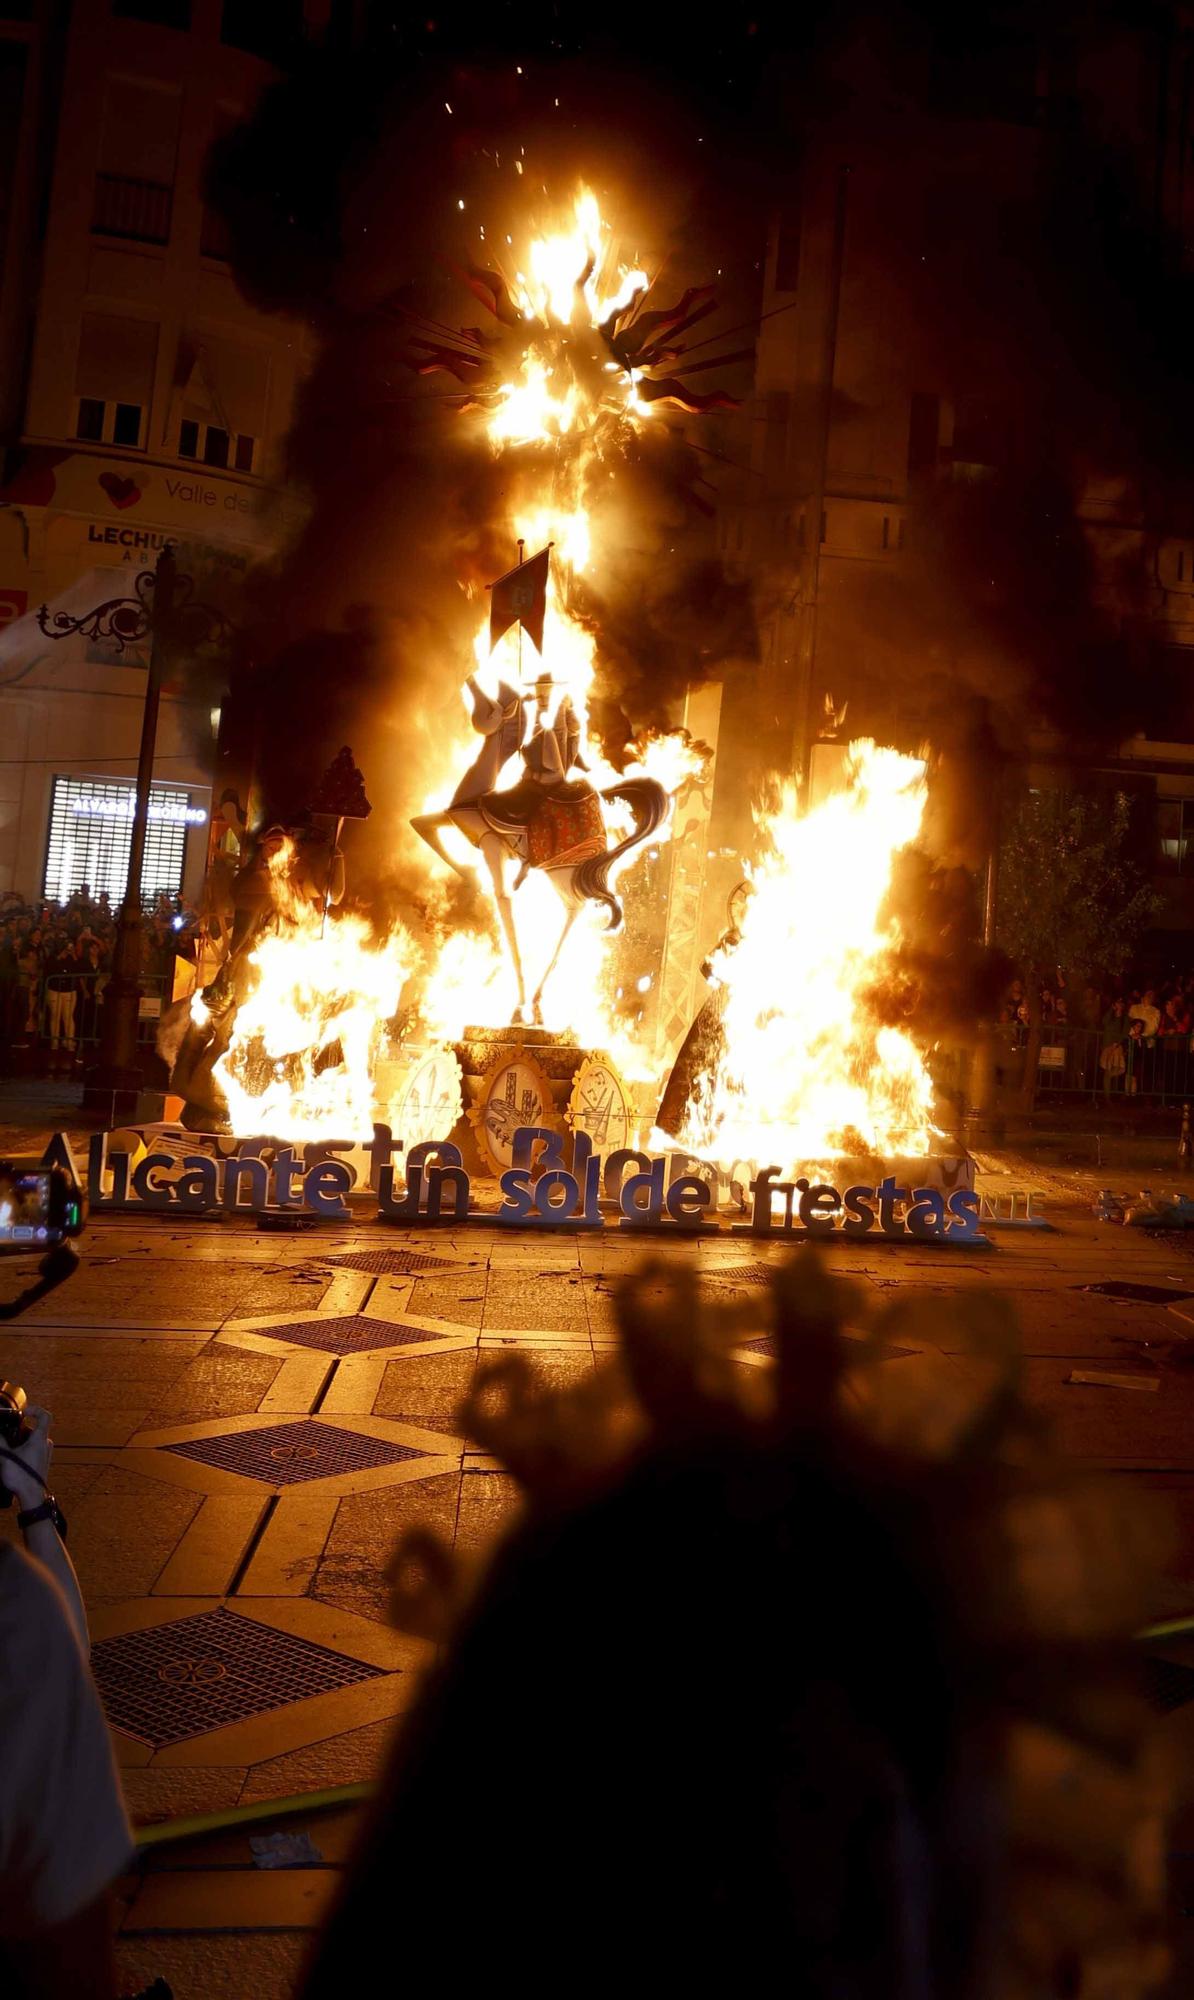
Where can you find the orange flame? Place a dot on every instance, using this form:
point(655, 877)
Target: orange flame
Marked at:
point(806, 1074)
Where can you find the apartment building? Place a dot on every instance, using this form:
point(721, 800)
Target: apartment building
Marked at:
point(142, 400)
point(863, 410)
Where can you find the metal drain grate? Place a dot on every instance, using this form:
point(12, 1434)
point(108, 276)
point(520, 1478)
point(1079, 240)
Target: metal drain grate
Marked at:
point(387, 1261)
point(352, 1334)
point(170, 1682)
point(285, 1454)
point(764, 1345)
point(1168, 1685)
point(740, 1274)
point(1149, 1295)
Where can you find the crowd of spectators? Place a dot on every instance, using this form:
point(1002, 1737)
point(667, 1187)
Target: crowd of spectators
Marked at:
point(56, 960)
point(1119, 1034)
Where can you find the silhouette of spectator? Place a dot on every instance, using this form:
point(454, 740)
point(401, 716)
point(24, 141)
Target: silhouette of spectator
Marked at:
point(64, 1837)
point(760, 1696)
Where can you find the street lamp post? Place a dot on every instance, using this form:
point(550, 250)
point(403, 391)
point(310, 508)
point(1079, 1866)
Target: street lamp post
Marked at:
point(164, 610)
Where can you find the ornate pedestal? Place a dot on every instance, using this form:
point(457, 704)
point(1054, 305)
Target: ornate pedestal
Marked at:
point(516, 1076)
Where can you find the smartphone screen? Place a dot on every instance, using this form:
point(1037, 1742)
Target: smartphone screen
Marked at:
point(25, 1209)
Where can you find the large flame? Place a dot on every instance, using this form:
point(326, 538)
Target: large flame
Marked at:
point(307, 1039)
point(806, 1074)
point(568, 400)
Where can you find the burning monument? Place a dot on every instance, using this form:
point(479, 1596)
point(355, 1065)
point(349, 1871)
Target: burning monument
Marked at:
point(519, 1018)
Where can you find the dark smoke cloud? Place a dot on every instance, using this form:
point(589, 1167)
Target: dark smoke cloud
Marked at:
point(341, 198)
point(1043, 293)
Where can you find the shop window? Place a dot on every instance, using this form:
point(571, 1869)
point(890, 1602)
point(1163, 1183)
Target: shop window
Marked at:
point(91, 823)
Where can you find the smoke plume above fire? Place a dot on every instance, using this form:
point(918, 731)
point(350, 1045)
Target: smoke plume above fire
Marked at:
point(433, 175)
point(368, 624)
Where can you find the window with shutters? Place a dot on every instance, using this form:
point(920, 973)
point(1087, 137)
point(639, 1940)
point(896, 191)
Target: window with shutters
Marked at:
point(134, 182)
point(114, 379)
point(221, 394)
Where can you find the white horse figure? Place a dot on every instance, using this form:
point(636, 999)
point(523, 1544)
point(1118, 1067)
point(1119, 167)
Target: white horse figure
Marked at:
point(546, 821)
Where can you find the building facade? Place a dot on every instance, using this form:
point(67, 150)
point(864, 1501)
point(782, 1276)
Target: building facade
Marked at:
point(868, 405)
point(143, 401)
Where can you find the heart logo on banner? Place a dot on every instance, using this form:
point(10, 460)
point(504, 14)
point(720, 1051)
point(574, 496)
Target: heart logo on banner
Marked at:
point(121, 492)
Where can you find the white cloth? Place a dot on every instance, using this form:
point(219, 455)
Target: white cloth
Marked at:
point(64, 1834)
point(1151, 1016)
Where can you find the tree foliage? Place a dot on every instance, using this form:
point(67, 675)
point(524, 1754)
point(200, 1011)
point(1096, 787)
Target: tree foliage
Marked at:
point(1070, 893)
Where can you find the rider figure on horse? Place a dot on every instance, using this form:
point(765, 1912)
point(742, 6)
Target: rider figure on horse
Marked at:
point(546, 820)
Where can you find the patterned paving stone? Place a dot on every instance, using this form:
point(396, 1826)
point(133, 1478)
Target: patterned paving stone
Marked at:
point(222, 1382)
point(168, 1683)
point(285, 1454)
point(351, 1334)
point(427, 1389)
point(455, 1295)
point(352, 1569)
point(534, 1302)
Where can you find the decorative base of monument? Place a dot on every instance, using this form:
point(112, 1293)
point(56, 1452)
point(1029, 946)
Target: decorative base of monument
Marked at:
point(522, 1076)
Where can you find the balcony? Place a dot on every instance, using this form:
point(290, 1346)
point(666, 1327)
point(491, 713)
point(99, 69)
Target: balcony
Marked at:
point(138, 211)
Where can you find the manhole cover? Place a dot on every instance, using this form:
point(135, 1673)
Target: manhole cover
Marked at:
point(352, 1334)
point(284, 1454)
point(393, 1260)
point(170, 1682)
point(1149, 1295)
point(1168, 1685)
point(740, 1274)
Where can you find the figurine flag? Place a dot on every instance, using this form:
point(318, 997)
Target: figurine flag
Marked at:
point(520, 598)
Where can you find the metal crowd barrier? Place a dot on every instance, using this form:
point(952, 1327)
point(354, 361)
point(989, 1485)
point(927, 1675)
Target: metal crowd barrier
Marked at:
point(1160, 1071)
point(78, 1022)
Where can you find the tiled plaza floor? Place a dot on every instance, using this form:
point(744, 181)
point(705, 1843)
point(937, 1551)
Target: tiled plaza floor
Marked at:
point(246, 1421)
